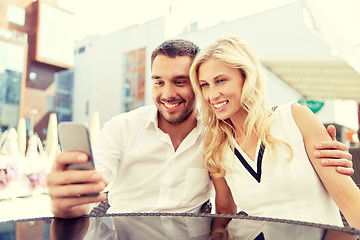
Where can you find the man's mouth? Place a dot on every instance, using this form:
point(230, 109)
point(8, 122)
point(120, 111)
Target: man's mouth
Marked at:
point(171, 105)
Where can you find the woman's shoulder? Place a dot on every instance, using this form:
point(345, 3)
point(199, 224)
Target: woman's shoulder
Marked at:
point(283, 107)
point(290, 109)
point(284, 117)
point(283, 110)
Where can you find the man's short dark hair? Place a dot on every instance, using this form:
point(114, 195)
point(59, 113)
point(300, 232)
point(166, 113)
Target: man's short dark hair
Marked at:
point(176, 47)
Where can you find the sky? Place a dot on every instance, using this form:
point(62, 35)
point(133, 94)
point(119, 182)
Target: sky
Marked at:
point(93, 18)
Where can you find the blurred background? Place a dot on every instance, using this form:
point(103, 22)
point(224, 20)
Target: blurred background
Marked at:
point(87, 60)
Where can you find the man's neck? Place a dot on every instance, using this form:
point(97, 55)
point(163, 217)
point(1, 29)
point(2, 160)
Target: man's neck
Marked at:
point(178, 132)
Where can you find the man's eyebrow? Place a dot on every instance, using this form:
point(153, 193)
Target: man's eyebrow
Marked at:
point(175, 77)
point(155, 77)
point(181, 77)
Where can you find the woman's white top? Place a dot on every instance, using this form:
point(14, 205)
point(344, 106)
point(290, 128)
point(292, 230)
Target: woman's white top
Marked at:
point(272, 186)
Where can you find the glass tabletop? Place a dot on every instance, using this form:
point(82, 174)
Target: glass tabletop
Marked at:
point(171, 226)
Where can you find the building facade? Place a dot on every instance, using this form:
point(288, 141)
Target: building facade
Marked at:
point(109, 72)
point(36, 42)
point(112, 72)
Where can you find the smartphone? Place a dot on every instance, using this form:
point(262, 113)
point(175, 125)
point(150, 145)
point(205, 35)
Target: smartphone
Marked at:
point(75, 137)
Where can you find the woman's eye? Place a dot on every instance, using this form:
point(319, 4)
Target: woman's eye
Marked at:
point(204, 85)
point(220, 80)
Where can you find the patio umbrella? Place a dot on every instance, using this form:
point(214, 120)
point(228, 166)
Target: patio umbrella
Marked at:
point(94, 126)
point(21, 131)
point(52, 136)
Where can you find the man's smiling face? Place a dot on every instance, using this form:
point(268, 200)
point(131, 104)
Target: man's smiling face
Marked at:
point(171, 90)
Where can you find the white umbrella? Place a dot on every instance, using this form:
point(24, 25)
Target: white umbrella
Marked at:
point(21, 132)
point(8, 143)
point(35, 147)
point(52, 143)
point(94, 126)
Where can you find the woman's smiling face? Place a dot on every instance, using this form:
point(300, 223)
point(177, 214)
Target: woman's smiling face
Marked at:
point(221, 87)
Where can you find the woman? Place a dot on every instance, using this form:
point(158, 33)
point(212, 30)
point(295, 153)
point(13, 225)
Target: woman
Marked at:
point(260, 160)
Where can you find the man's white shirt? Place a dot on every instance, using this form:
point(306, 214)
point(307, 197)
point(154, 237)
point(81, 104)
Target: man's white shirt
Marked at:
point(144, 171)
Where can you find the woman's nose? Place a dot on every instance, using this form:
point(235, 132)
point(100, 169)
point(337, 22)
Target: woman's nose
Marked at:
point(213, 93)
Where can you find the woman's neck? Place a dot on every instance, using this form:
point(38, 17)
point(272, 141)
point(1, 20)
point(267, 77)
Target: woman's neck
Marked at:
point(238, 123)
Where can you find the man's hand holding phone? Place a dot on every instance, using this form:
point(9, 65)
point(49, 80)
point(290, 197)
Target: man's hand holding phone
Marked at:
point(68, 188)
point(73, 182)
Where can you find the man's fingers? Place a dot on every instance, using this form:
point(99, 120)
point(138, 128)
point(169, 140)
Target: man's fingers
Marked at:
point(75, 190)
point(337, 162)
point(73, 177)
point(68, 188)
point(332, 132)
point(66, 158)
point(67, 203)
point(346, 171)
point(331, 145)
point(333, 154)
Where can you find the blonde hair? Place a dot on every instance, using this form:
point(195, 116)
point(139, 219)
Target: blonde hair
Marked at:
point(234, 52)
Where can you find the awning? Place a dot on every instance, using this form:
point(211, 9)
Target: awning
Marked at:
point(318, 79)
point(337, 24)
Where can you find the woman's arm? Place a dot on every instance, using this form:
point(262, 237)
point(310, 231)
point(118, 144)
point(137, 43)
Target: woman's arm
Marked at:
point(341, 188)
point(224, 202)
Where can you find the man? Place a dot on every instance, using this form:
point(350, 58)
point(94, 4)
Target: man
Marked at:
point(152, 156)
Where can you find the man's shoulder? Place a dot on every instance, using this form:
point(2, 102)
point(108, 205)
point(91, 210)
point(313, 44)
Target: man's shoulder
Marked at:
point(144, 113)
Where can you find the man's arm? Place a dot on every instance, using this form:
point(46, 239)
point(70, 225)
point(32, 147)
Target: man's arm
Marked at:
point(334, 153)
point(68, 187)
point(69, 229)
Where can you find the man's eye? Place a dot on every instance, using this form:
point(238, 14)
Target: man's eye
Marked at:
point(220, 80)
point(179, 82)
point(158, 83)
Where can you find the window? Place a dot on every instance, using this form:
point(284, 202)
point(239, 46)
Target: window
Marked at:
point(16, 14)
point(50, 103)
point(87, 108)
point(81, 50)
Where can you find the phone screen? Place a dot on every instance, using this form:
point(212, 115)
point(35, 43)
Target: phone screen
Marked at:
point(75, 137)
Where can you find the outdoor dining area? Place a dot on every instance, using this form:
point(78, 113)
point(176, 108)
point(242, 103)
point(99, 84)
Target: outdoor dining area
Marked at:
point(25, 160)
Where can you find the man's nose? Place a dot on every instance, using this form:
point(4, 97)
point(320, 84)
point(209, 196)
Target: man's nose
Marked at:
point(169, 92)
